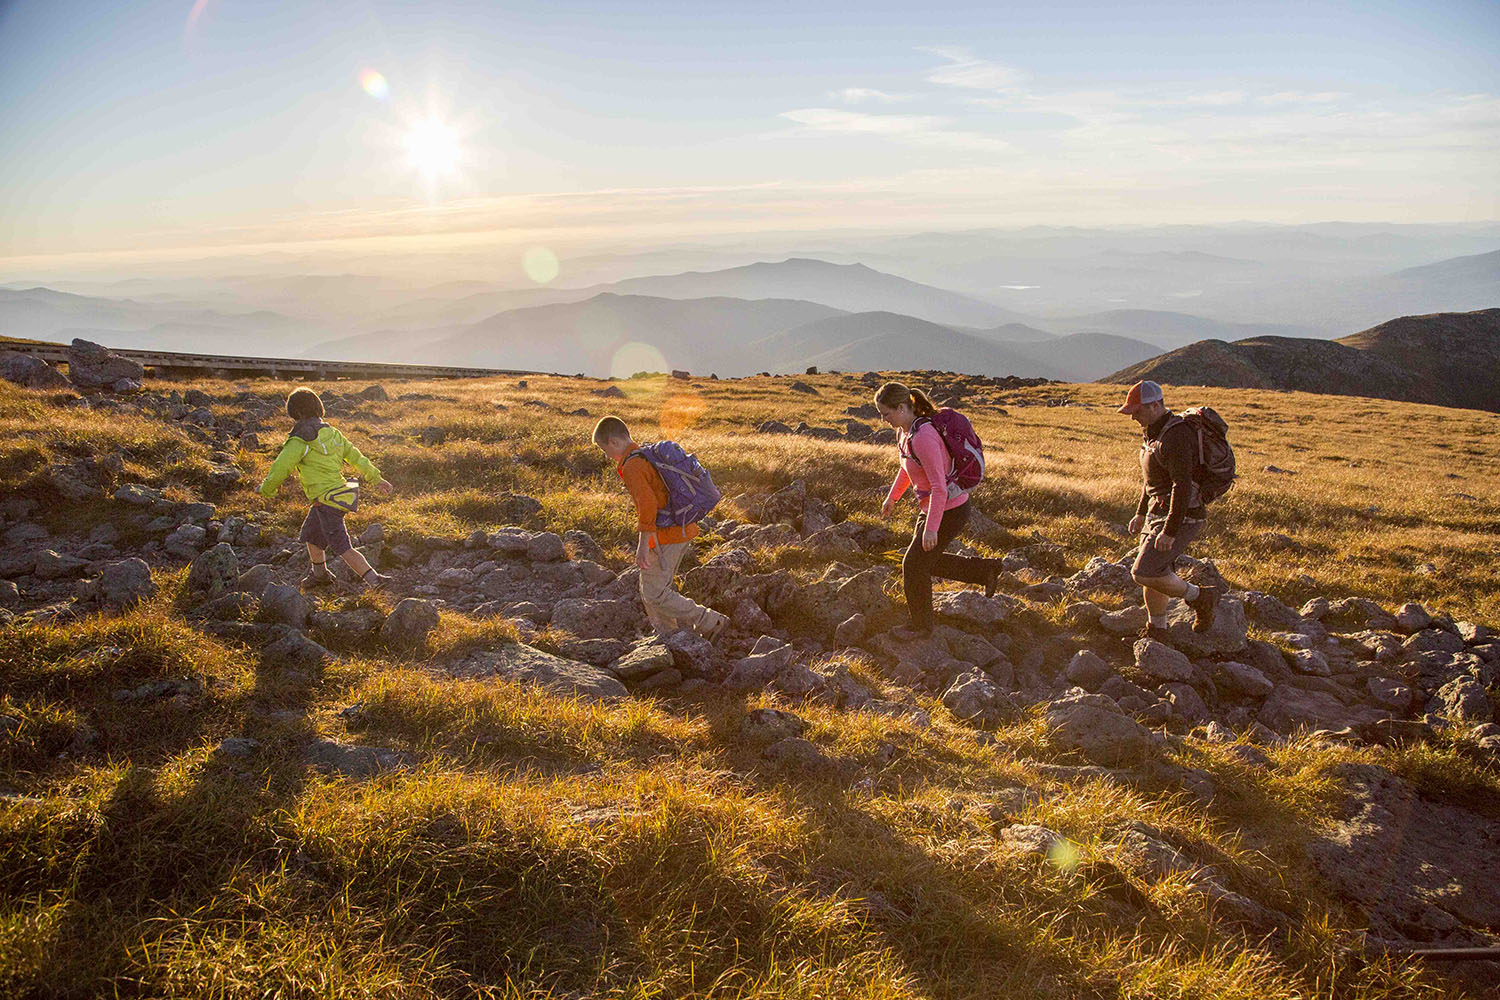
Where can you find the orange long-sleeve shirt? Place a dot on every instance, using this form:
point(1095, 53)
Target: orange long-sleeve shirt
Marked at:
point(650, 495)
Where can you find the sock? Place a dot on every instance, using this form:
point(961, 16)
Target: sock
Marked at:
point(1158, 621)
point(1191, 594)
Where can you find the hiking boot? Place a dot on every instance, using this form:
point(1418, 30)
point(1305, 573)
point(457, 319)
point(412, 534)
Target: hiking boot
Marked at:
point(715, 625)
point(992, 580)
point(317, 577)
point(1155, 633)
point(1203, 608)
point(373, 580)
point(911, 633)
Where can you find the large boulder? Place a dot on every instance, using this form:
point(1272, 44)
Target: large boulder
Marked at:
point(1463, 699)
point(1289, 707)
point(1228, 634)
point(215, 572)
point(1242, 679)
point(33, 373)
point(92, 366)
point(519, 662)
point(972, 610)
point(1095, 726)
point(410, 622)
point(974, 698)
point(597, 619)
point(122, 584)
point(1161, 662)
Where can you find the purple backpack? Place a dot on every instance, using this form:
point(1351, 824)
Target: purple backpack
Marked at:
point(691, 492)
point(963, 445)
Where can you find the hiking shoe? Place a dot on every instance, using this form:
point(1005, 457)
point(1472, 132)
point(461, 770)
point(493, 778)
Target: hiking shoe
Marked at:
point(374, 581)
point(992, 581)
point(911, 633)
point(1203, 608)
point(716, 624)
point(318, 578)
point(1155, 633)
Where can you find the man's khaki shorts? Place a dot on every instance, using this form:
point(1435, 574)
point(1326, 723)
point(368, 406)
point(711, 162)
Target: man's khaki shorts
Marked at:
point(1151, 562)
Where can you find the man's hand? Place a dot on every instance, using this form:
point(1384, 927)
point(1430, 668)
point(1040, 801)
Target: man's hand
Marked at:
point(1136, 524)
point(888, 508)
point(384, 488)
point(1164, 542)
point(929, 540)
point(643, 554)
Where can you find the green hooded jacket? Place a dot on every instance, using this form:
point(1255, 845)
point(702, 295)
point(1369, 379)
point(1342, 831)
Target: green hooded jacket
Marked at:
point(316, 452)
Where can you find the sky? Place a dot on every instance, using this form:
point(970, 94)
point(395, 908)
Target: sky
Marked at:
point(145, 127)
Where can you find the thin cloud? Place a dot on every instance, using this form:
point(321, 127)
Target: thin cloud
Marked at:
point(856, 95)
point(965, 71)
point(925, 130)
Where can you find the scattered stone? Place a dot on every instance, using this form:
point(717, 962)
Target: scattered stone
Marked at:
point(851, 631)
point(1161, 662)
point(51, 565)
point(546, 546)
point(1094, 725)
point(358, 763)
point(1389, 693)
point(409, 624)
point(216, 571)
point(186, 542)
point(753, 672)
point(803, 387)
point(1462, 699)
point(1413, 618)
point(971, 609)
point(519, 662)
point(1088, 670)
point(767, 725)
point(586, 618)
point(974, 698)
point(284, 604)
point(238, 746)
point(794, 752)
point(1288, 707)
point(1030, 838)
point(1126, 621)
point(122, 584)
point(1242, 679)
point(256, 579)
point(296, 651)
point(1311, 662)
point(33, 373)
point(644, 659)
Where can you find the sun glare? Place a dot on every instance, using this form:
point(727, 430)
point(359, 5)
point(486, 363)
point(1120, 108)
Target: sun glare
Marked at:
point(432, 149)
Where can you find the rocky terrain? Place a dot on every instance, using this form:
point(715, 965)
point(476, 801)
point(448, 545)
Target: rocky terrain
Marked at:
point(1447, 359)
point(1047, 675)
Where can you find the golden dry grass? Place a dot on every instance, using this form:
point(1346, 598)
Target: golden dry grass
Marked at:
point(544, 846)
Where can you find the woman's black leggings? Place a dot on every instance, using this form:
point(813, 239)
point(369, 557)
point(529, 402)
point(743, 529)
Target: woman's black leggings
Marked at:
point(919, 567)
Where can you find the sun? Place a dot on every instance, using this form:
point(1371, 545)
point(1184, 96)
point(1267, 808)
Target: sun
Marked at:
point(432, 149)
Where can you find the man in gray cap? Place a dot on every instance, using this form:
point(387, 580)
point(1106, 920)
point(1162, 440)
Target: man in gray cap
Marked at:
point(1170, 515)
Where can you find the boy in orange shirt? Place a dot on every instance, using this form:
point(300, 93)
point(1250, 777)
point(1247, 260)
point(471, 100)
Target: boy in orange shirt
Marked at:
point(660, 550)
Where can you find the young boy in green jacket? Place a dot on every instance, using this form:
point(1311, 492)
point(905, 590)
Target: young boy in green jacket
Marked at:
point(316, 452)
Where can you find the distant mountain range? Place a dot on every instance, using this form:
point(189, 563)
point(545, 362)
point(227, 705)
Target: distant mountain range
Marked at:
point(1449, 359)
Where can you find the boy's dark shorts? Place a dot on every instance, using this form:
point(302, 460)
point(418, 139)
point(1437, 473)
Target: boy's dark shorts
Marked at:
point(324, 527)
point(1151, 562)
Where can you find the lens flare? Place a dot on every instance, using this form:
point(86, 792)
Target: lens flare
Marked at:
point(637, 357)
point(373, 83)
point(681, 411)
point(540, 264)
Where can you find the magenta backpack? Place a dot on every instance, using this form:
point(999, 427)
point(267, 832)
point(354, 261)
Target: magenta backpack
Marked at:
point(963, 445)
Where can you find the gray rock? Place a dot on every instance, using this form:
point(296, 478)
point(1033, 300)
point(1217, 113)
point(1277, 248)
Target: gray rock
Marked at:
point(358, 763)
point(661, 680)
point(10, 594)
point(971, 609)
point(51, 565)
point(974, 698)
point(296, 651)
point(1432, 640)
point(1095, 726)
point(1126, 621)
point(1388, 692)
point(1413, 618)
point(599, 652)
point(1186, 703)
point(693, 655)
point(1228, 634)
point(1462, 699)
point(285, 604)
point(581, 545)
point(238, 746)
point(1030, 838)
point(519, 662)
point(796, 753)
point(73, 483)
point(409, 624)
point(597, 619)
point(748, 616)
point(1474, 635)
point(851, 631)
point(1242, 680)
point(1288, 707)
point(138, 495)
point(187, 541)
point(644, 659)
point(753, 672)
point(33, 373)
point(1088, 670)
point(1161, 662)
point(232, 607)
point(1311, 662)
point(256, 579)
point(91, 366)
point(767, 725)
point(546, 546)
point(122, 584)
point(216, 571)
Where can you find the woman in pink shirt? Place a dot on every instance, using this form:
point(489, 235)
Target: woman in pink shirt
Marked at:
point(944, 507)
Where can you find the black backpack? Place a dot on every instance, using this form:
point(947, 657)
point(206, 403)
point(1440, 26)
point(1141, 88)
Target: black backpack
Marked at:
point(1214, 469)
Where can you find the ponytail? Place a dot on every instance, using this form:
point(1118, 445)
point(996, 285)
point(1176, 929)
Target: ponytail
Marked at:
point(894, 394)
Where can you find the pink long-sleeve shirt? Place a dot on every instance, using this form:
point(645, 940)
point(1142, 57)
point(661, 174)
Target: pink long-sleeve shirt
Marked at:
point(920, 452)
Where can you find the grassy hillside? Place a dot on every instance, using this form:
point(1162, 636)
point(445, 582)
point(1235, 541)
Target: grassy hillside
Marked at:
point(539, 845)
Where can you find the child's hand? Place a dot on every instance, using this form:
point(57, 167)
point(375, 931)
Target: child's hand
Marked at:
point(384, 488)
